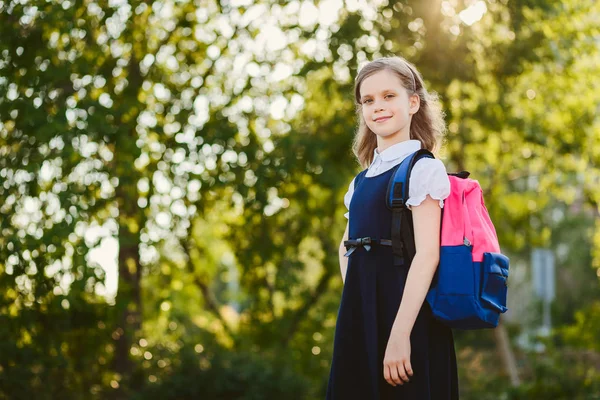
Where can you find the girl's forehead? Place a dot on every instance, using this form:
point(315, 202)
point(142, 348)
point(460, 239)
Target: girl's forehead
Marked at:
point(381, 80)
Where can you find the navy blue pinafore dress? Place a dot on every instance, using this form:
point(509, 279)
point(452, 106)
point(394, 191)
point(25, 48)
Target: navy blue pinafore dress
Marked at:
point(370, 300)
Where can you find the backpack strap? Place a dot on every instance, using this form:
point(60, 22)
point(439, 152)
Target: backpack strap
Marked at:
point(403, 243)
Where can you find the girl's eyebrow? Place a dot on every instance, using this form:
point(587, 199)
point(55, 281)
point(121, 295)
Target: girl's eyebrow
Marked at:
point(383, 91)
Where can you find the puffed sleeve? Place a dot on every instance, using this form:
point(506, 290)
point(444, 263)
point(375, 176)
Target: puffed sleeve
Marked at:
point(348, 197)
point(428, 177)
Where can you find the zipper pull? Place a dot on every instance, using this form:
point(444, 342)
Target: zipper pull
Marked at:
point(466, 242)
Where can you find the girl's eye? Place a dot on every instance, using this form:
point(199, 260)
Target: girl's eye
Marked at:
point(386, 96)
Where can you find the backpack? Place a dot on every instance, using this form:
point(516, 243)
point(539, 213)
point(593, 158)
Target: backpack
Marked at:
point(469, 288)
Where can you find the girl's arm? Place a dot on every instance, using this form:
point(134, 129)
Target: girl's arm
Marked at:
point(426, 222)
point(341, 252)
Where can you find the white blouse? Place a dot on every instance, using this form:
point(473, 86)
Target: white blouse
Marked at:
point(428, 176)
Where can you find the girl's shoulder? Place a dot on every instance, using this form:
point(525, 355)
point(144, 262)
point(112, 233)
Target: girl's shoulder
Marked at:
point(428, 177)
point(431, 165)
point(353, 183)
point(359, 177)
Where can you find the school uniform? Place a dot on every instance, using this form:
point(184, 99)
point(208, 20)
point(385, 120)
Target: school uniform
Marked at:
point(373, 291)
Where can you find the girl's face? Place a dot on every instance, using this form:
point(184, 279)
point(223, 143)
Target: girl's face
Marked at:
point(387, 107)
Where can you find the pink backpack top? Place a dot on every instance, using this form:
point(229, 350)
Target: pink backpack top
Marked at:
point(465, 217)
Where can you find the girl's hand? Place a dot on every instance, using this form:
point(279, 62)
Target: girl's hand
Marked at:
point(396, 363)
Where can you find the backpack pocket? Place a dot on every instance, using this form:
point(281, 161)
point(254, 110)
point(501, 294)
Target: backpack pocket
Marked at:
point(456, 271)
point(495, 275)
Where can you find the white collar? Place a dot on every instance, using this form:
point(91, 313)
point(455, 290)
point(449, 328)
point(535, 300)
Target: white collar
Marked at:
point(398, 150)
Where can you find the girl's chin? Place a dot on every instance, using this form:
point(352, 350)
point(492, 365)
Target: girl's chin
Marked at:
point(385, 134)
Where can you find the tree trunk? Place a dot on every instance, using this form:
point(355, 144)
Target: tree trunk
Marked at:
point(131, 220)
point(129, 318)
point(506, 354)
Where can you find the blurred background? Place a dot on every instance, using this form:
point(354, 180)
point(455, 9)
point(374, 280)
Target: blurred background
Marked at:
point(172, 177)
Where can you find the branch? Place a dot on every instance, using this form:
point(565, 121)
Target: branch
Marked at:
point(210, 300)
point(301, 313)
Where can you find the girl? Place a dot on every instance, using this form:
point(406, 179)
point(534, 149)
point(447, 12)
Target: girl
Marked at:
point(387, 343)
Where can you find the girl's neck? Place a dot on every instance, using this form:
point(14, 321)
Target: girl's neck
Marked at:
point(385, 142)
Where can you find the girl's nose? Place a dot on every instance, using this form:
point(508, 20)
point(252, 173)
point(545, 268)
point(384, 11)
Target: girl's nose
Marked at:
point(377, 106)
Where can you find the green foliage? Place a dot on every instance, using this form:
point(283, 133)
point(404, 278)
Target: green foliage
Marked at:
point(560, 374)
point(576, 282)
point(556, 374)
point(567, 368)
point(584, 333)
point(57, 354)
point(224, 375)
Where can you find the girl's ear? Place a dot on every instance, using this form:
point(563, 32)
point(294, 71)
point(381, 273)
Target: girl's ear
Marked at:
point(414, 102)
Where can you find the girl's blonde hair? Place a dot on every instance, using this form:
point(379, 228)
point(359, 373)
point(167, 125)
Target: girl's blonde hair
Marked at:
point(427, 124)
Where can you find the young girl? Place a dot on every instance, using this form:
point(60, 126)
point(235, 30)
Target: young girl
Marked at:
point(387, 343)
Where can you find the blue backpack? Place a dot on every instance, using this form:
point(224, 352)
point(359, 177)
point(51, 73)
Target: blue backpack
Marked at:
point(469, 288)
